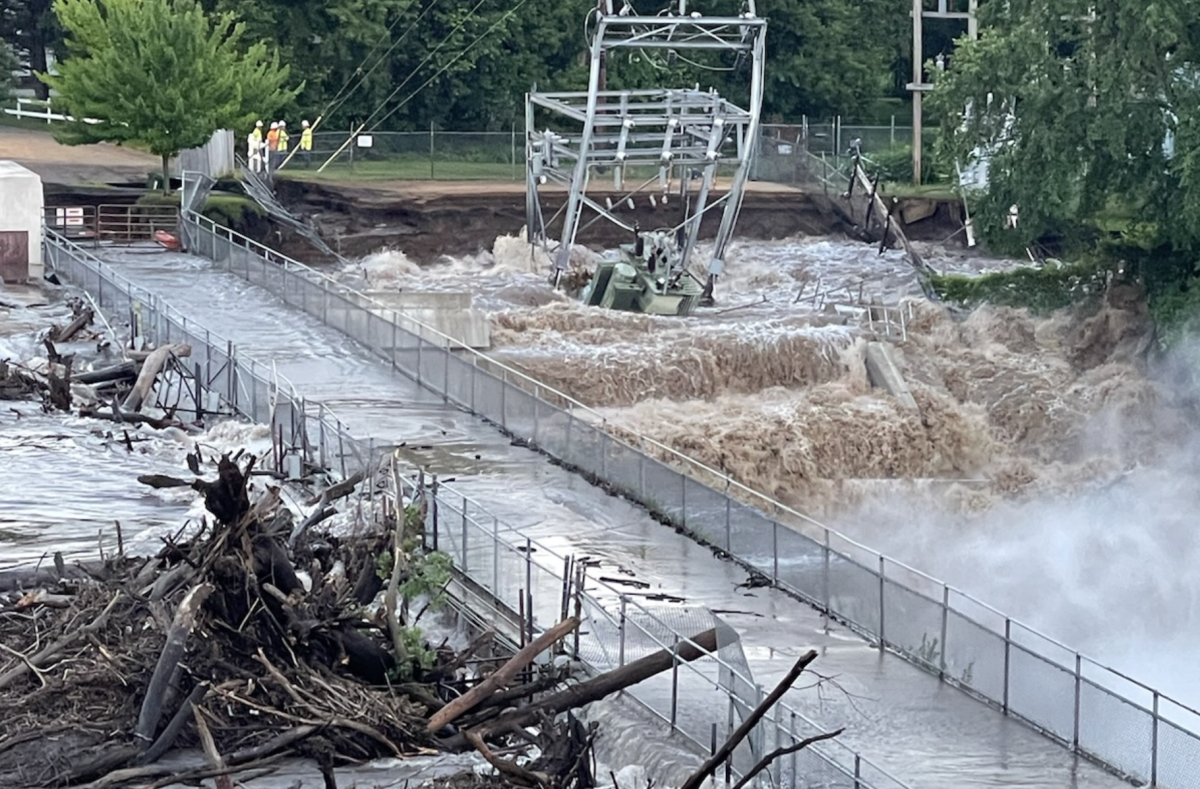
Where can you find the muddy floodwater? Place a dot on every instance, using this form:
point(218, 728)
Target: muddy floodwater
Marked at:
point(1026, 480)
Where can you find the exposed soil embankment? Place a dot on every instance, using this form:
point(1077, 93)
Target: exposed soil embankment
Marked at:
point(431, 219)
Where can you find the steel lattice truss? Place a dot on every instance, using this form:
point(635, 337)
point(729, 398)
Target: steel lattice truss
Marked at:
point(679, 136)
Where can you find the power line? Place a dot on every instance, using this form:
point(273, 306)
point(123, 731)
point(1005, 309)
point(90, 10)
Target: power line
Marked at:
point(470, 15)
point(335, 103)
point(427, 82)
point(452, 61)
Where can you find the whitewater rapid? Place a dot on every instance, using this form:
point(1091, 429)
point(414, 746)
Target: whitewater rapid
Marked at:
point(895, 712)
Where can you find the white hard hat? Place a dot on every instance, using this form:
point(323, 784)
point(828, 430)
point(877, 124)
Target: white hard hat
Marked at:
point(274, 125)
point(304, 124)
point(282, 123)
point(259, 123)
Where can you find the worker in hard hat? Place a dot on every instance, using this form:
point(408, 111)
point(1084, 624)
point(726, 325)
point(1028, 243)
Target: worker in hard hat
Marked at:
point(272, 146)
point(254, 152)
point(282, 149)
point(254, 148)
point(306, 140)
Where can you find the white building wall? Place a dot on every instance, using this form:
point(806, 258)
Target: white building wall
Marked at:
point(21, 202)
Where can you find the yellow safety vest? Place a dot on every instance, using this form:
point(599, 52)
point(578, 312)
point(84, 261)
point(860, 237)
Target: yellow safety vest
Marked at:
point(257, 135)
point(283, 140)
point(306, 140)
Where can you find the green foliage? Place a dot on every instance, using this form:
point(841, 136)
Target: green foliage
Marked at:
point(233, 211)
point(8, 64)
point(160, 73)
point(428, 578)
point(1075, 113)
point(29, 27)
point(895, 165)
point(825, 57)
point(419, 653)
point(1042, 290)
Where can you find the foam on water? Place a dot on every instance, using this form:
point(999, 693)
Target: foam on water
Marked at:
point(1067, 466)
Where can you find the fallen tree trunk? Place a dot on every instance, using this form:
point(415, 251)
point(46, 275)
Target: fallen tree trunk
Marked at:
point(126, 371)
point(502, 677)
point(131, 418)
point(177, 636)
point(154, 364)
point(594, 689)
point(82, 319)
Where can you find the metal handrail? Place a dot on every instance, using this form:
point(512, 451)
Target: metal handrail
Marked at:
point(1072, 666)
point(769, 504)
point(160, 306)
point(542, 548)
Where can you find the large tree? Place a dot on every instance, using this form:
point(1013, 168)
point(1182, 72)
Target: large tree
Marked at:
point(162, 74)
point(8, 64)
point(29, 26)
point(479, 57)
point(1081, 108)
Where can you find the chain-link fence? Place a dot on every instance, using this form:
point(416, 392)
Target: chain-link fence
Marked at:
point(941, 629)
point(703, 700)
point(430, 155)
point(500, 156)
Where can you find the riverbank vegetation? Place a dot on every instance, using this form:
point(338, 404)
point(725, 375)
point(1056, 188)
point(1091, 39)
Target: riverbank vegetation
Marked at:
point(1089, 119)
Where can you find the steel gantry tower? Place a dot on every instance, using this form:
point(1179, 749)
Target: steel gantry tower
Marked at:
point(646, 140)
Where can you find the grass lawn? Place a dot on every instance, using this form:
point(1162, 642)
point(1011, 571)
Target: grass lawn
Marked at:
point(927, 191)
point(407, 169)
point(13, 121)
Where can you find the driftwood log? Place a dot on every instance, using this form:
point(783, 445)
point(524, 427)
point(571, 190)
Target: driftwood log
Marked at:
point(153, 365)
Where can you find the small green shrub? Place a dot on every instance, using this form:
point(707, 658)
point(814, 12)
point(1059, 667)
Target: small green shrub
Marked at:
point(1054, 286)
point(232, 211)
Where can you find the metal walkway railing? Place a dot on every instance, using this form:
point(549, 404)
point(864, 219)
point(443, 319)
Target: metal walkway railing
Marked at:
point(509, 572)
point(945, 631)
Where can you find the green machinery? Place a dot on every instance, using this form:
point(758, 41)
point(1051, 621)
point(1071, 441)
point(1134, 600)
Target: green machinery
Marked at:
point(646, 276)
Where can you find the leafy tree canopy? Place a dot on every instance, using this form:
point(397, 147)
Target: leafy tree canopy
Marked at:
point(161, 73)
point(824, 57)
point(29, 27)
point(1086, 108)
point(8, 64)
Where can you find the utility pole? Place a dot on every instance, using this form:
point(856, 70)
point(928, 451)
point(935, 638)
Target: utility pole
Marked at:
point(919, 85)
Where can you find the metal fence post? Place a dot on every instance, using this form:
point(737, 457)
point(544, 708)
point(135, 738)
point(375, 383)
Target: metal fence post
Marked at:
point(775, 550)
point(882, 595)
point(621, 649)
point(1079, 691)
point(945, 623)
point(728, 517)
point(496, 556)
point(857, 771)
point(395, 333)
point(420, 348)
point(1154, 742)
point(465, 565)
point(683, 500)
point(674, 681)
point(474, 369)
point(321, 434)
point(529, 583)
point(1007, 660)
point(826, 581)
point(792, 732)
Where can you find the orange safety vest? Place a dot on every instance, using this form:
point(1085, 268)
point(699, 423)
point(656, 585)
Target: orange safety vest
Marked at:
point(273, 140)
